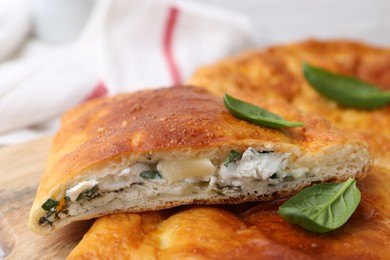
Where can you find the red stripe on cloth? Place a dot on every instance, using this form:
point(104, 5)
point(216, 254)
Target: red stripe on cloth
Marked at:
point(99, 91)
point(167, 45)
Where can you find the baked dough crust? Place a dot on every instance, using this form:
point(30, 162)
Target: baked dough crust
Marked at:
point(276, 72)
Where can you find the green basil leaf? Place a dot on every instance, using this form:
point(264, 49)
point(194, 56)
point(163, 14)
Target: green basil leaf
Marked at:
point(346, 91)
point(151, 175)
point(50, 205)
point(322, 207)
point(232, 157)
point(255, 114)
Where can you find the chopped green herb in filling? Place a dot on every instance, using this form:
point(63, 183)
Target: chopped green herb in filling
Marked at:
point(151, 175)
point(89, 194)
point(50, 205)
point(233, 156)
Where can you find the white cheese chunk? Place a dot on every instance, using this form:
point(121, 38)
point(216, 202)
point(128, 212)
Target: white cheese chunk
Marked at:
point(174, 171)
point(255, 165)
point(75, 191)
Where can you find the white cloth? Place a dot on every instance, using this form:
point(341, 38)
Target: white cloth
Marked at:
point(127, 45)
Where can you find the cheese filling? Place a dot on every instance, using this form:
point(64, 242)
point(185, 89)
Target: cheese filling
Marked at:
point(252, 165)
point(180, 178)
point(174, 171)
point(255, 165)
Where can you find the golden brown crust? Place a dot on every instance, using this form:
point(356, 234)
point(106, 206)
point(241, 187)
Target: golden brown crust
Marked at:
point(253, 231)
point(276, 72)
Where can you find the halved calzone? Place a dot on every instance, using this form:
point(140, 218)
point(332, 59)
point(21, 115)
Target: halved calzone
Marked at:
point(162, 148)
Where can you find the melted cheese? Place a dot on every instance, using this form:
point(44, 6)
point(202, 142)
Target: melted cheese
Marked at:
point(187, 173)
point(174, 171)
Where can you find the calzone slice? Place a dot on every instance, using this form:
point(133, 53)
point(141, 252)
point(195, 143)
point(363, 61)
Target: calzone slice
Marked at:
point(158, 149)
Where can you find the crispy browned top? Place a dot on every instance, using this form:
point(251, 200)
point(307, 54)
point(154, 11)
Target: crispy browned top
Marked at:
point(250, 231)
point(177, 119)
point(276, 72)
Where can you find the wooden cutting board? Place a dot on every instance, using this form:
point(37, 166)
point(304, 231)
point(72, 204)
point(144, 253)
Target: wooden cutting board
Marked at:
point(21, 167)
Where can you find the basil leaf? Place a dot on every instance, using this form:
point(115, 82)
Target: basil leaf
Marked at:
point(255, 114)
point(50, 205)
point(232, 157)
point(151, 175)
point(322, 207)
point(346, 91)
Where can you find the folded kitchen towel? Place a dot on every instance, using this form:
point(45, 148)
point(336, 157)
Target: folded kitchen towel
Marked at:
point(126, 45)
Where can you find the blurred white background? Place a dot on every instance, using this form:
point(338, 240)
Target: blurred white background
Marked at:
point(277, 21)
